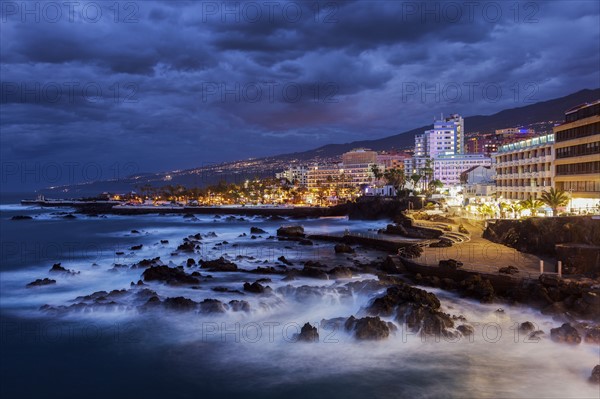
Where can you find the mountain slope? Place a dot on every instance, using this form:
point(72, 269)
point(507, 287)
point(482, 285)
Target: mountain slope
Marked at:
point(543, 113)
point(552, 110)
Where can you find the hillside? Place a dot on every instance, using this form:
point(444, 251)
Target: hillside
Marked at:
point(552, 110)
point(540, 114)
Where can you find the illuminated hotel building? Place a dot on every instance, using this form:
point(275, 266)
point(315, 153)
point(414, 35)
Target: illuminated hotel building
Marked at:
point(524, 168)
point(577, 155)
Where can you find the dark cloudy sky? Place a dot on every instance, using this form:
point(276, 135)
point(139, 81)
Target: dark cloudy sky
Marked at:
point(150, 86)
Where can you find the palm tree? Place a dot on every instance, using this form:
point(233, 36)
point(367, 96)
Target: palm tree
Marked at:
point(555, 199)
point(516, 208)
point(395, 177)
point(486, 210)
point(504, 208)
point(532, 204)
point(434, 185)
point(321, 195)
point(427, 174)
point(377, 174)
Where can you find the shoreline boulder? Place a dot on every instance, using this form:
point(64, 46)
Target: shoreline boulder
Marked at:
point(595, 377)
point(565, 334)
point(368, 328)
point(169, 275)
point(343, 249)
point(219, 265)
point(308, 333)
point(41, 282)
point(290, 231)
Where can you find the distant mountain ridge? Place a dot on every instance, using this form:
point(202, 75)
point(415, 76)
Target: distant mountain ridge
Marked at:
point(551, 110)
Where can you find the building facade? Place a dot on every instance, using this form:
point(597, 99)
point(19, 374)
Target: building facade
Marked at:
point(524, 169)
point(359, 156)
point(443, 150)
point(446, 138)
point(297, 175)
point(391, 160)
point(351, 175)
point(577, 155)
point(482, 144)
point(448, 168)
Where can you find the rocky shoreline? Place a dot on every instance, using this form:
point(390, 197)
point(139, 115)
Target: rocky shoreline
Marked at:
point(574, 305)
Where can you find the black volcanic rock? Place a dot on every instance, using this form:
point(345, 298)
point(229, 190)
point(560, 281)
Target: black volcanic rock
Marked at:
point(145, 263)
point(466, 330)
point(573, 239)
point(21, 217)
point(212, 306)
point(402, 294)
point(290, 231)
point(41, 282)
point(526, 327)
point(187, 246)
point(256, 288)
point(595, 377)
point(343, 249)
point(451, 264)
point(479, 288)
point(314, 263)
point(180, 304)
point(417, 308)
point(565, 334)
point(257, 230)
point(308, 333)
point(169, 275)
point(57, 268)
point(509, 270)
point(340, 272)
point(368, 328)
point(283, 260)
point(313, 272)
point(239, 306)
point(592, 335)
point(218, 265)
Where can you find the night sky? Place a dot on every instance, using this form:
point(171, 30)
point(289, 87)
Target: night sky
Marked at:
point(151, 86)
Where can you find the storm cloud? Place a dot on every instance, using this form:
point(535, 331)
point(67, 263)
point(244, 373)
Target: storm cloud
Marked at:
point(173, 85)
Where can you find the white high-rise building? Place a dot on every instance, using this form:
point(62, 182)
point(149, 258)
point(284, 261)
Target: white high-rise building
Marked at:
point(446, 138)
point(443, 149)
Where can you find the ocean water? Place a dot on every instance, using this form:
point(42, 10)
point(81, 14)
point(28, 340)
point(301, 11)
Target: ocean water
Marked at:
point(123, 352)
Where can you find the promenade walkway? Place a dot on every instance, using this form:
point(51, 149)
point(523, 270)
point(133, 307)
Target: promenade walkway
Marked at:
point(484, 256)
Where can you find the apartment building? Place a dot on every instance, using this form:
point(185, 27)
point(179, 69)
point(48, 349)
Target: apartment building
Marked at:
point(577, 155)
point(297, 175)
point(524, 169)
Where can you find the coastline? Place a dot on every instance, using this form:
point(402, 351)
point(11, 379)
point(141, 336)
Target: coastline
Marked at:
point(232, 277)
